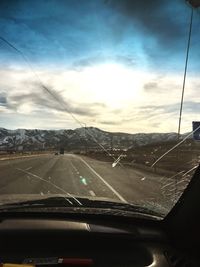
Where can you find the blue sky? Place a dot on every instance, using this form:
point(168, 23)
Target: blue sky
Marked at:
point(74, 45)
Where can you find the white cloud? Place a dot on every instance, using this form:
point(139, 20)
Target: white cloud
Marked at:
point(107, 96)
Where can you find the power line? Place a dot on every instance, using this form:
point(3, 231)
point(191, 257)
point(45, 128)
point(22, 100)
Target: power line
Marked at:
point(185, 74)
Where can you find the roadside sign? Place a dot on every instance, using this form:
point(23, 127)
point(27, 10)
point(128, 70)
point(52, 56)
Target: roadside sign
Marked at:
point(196, 130)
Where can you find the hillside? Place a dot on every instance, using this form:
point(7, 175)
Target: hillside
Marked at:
point(78, 139)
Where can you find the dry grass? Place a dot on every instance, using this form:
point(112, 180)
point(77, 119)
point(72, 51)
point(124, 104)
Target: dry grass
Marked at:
point(183, 158)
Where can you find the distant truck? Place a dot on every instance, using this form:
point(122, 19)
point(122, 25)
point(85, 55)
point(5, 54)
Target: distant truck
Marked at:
point(62, 151)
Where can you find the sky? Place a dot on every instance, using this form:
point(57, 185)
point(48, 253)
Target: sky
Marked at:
point(113, 64)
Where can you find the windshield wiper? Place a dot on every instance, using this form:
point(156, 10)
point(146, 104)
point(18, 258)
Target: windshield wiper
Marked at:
point(59, 203)
point(120, 206)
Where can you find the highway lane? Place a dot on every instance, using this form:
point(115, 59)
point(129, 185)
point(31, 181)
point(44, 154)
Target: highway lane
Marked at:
point(81, 176)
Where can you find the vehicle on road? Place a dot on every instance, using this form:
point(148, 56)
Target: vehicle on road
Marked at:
point(62, 150)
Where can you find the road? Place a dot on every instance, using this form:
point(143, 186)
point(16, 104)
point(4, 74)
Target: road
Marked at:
point(80, 176)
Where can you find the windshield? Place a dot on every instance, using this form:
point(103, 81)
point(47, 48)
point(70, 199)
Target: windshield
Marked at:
point(99, 99)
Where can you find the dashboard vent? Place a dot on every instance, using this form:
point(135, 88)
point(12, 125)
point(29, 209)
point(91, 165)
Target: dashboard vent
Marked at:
point(176, 259)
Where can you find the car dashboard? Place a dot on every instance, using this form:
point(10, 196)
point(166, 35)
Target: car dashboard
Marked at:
point(72, 242)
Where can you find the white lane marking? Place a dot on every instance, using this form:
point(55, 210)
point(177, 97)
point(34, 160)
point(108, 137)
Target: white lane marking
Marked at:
point(92, 193)
point(54, 185)
point(101, 178)
point(76, 170)
point(27, 169)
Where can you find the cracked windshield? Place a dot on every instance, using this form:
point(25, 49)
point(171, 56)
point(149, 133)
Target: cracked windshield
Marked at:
point(99, 102)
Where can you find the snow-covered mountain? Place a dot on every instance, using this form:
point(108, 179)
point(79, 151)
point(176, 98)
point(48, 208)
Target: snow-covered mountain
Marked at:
point(80, 138)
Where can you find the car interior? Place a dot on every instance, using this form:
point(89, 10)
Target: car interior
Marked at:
point(46, 238)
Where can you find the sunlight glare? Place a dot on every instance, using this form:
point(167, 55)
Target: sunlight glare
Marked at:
point(113, 84)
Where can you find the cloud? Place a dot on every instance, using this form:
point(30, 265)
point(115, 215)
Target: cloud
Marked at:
point(98, 59)
point(150, 86)
point(161, 28)
point(51, 100)
point(155, 17)
point(110, 122)
point(27, 103)
point(126, 60)
point(189, 107)
point(49, 31)
point(75, 34)
point(3, 100)
point(22, 93)
point(37, 107)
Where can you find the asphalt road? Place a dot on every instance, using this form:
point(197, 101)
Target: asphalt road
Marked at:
point(81, 176)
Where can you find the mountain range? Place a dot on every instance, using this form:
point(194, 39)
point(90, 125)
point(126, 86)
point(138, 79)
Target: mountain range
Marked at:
point(78, 139)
